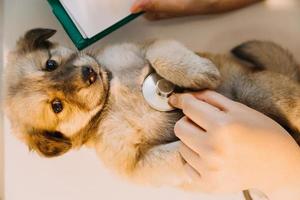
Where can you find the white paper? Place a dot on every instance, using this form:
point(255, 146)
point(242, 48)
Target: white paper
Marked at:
point(94, 16)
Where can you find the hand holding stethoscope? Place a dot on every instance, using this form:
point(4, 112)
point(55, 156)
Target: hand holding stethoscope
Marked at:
point(230, 147)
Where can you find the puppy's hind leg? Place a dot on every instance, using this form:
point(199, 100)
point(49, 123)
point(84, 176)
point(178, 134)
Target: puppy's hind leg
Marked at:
point(181, 66)
point(269, 56)
point(272, 94)
point(161, 165)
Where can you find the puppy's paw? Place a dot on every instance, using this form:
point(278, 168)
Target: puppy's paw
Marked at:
point(196, 78)
point(181, 66)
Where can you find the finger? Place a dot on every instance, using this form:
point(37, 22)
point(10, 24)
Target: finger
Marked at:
point(192, 173)
point(158, 6)
point(163, 15)
point(203, 114)
point(157, 16)
point(196, 181)
point(138, 6)
point(190, 134)
point(191, 157)
point(144, 5)
point(215, 99)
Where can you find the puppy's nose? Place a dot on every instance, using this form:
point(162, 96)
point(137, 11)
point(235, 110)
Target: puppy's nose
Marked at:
point(89, 75)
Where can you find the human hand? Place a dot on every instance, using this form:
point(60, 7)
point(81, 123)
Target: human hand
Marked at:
point(230, 147)
point(158, 9)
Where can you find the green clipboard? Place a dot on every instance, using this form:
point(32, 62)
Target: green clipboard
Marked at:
point(74, 33)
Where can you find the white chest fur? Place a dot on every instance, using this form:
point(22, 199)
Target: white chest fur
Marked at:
point(130, 126)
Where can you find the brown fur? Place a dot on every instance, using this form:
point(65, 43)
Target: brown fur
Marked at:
point(112, 116)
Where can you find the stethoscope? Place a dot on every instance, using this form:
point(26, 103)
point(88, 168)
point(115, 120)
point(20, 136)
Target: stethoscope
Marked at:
point(156, 91)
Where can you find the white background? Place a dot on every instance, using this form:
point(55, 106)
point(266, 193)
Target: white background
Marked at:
point(79, 175)
point(1, 116)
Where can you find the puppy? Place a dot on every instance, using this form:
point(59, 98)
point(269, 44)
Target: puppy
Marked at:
point(58, 99)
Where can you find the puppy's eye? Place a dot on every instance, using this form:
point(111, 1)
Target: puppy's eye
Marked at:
point(57, 106)
point(51, 65)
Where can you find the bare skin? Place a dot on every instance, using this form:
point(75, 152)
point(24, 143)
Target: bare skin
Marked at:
point(158, 9)
point(227, 145)
point(230, 147)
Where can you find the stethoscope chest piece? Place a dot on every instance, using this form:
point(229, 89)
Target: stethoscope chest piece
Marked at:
point(156, 91)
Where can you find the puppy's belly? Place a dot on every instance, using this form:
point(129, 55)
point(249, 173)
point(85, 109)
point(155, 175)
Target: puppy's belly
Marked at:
point(131, 127)
point(129, 107)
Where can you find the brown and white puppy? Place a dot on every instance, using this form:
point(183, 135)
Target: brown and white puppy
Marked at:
point(57, 99)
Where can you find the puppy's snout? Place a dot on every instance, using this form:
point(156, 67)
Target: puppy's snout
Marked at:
point(89, 75)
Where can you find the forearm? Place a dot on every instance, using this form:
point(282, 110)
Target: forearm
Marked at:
point(290, 190)
point(285, 193)
point(157, 9)
point(282, 181)
point(217, 6)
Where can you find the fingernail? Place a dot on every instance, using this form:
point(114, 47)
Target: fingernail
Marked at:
point(173, 100)
point(138, 6)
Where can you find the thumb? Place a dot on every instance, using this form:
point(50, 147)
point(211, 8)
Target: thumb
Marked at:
point(141, 5)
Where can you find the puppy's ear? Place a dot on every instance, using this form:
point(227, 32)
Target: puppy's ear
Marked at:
point(35, 38)
point(49, 144)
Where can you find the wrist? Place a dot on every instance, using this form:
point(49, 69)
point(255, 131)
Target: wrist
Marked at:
point(284, 185)
point(288, 191)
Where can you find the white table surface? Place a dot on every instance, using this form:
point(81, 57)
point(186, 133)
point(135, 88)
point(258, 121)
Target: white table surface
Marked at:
point(1, 116)
point(79, 175)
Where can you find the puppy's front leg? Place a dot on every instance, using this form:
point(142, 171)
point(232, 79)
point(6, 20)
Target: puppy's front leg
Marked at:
point(181, 66)
point(162, 165)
